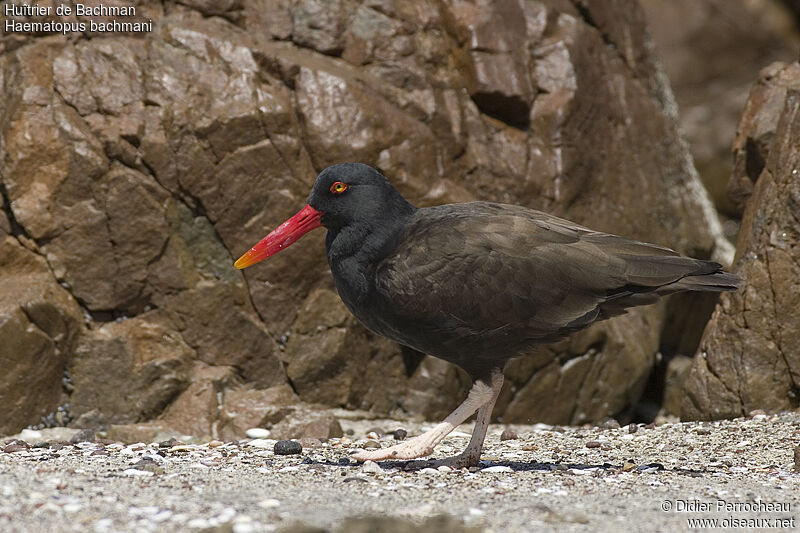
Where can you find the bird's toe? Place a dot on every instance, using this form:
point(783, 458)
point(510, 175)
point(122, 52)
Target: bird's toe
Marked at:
point(399, 452)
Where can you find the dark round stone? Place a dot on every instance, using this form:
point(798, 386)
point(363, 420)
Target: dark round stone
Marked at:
point(287, 447)
point(400, 434)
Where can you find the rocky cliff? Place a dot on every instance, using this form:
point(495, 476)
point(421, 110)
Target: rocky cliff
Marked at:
point(135, 167)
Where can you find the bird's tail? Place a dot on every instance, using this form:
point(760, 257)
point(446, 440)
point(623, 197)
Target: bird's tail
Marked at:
point(718, 281)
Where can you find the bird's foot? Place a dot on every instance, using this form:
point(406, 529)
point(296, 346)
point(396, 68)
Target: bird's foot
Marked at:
point(410, 449)
point(457, 462)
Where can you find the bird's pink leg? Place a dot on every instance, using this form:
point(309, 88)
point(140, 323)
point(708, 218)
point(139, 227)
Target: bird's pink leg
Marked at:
point(481, 398)
point(472, 453)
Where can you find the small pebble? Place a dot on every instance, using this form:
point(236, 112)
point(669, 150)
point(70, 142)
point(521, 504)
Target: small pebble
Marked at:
point(400, 434)
point(135, 472)
point(371, 444)
point(508, 434)
point(428, 470)
point(633, 428)
point(182, 448)
point(169, 443)
point(16, 446)
point(257, 433)
point(444, 469)
point(260, 443)
point(627, 466)
point(703, 431)
point(104, 524)
point(497, 469)
point(215, 443)
point(373, 435)
point(84, 435)
point(72, 507)
point(148, 465)
point(592, 444)
point(371, 467)
point(287, 447)
point(310, 442)
point(376, 432)
point(797, 459)
point(11, 448)
point(269, 503)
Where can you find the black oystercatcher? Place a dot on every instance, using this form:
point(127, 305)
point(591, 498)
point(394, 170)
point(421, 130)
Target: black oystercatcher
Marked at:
point(475, 283)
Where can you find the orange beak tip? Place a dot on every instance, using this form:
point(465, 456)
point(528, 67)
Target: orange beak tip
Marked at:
point(245, 261)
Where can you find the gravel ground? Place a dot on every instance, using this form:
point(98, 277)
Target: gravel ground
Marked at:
point(635, 478)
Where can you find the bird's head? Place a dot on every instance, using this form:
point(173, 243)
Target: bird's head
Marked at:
point(342, 195)
point(351, 192)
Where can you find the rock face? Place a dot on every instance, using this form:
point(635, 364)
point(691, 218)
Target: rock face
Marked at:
point(757, 128)
point(39, 323)
point(711, 51)
point(749, 357)
point(139, 166)
point(128, 371)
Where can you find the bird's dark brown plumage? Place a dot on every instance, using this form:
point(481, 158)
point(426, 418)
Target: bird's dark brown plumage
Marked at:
point(479, 283)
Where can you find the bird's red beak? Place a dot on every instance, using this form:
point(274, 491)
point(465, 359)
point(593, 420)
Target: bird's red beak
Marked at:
point(307, 219)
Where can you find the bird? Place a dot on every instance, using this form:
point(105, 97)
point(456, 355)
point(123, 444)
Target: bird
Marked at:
point(475, 283)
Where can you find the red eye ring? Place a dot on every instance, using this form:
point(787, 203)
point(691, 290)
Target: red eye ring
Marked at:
point(338, 187)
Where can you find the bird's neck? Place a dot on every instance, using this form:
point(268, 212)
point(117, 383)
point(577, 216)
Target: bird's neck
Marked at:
point(354, 250)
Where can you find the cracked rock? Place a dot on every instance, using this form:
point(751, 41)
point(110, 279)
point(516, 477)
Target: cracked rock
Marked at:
point(749, 357)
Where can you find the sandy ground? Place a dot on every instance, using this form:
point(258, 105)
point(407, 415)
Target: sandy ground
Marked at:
point(670, 477)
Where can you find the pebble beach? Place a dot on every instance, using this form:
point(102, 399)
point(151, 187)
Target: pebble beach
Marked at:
point(669, 477)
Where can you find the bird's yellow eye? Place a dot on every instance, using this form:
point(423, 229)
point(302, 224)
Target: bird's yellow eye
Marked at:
point(338, 187)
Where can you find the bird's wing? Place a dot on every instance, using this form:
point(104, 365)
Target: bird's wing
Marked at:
point(492, 266)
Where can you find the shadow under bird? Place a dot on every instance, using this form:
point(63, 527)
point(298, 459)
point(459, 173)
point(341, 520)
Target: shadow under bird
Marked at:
point(474, 283)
